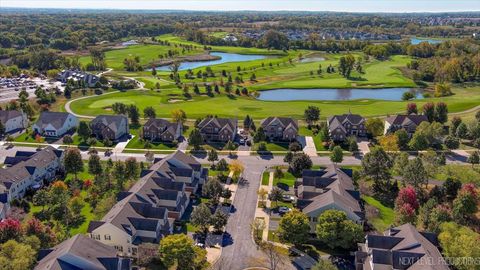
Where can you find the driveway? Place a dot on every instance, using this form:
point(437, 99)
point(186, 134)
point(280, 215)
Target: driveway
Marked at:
point(309, 147)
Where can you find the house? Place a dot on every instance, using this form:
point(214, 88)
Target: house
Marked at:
point(112, 127)
point(55, 124)
point(402, 247)
point(329, 188)
point(340, 127)
point(78, 76)
point(162, 130)
point(409, 122)
point(147, 212)
point(280, 128)
point(81, 252)
point(218, 129)
point(29, 170)
point(13, 120)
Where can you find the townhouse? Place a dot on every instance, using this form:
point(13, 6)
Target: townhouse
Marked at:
point(13, 120)
point(78, 76)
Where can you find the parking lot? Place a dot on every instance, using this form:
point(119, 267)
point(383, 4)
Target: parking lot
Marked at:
point(10, 87)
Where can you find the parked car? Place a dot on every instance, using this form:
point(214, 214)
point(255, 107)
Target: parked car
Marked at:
point(288, 198)
point(283, 209)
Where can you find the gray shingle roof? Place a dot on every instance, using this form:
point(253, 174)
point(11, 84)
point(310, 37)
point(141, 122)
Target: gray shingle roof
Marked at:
point(340, 120)
point(7, 115)
point(285, 122)
point(220, 123)
point(404, 119)
point(81, 252)
point(111, 121)
point(56, 119)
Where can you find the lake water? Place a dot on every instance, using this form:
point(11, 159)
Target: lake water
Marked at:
point(416, 41)
point(225, 58)
point(393, 94)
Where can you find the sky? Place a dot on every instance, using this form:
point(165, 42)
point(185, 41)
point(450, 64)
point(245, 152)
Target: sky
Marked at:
point(268, 5)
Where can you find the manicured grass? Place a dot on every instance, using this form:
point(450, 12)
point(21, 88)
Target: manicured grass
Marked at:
point(224, 106)
point(288, 179)
point(272, 146)
point(272, 236)
point(385, 217)
point(464, 173)
point(317, 139)
point(137, 143)
point(265, 178)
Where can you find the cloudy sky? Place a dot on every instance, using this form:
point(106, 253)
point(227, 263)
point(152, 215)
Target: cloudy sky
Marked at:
point(310, 5)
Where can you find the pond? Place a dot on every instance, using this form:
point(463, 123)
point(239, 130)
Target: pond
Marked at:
point(393, 94)
point(416, 41)
point(225, 58)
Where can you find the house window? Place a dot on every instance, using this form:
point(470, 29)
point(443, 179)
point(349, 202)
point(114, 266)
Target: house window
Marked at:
point(96, 237)
point(107, 237)
point(119, 248)
point(134, 251)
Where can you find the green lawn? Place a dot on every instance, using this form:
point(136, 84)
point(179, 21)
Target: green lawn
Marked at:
point(272, 146)
point(464, 173)
point(224, 106)
point(288, 179)
point(385, 217)
point(265, 178)
point(317, 139)
point(136, 143)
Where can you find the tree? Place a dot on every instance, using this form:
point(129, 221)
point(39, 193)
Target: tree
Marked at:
point(2, 130)
point(200, 217)
point(274, 257)
point(212, 156)
point(259, 135)
point(236, 166)
point(389, 142)
point(311, 114)
point(459, 242)
point(213, 190)
point(84, 130)
point(299, 162)
point(73, 161)
point(119, 175)
point(462, 131)
point(374, 126)
point(131, 168)
point(294, 146)
point(352, 144)
point(429, 111)
point(406, 204)
point(441, 112)
point(294, 228)
point(345, 65)
point(466, 203)
point(337, 155)
point(474, 158)
point(412, 108)
point(415, 174)
point(222, 165)
point(451, 142)
point(276, 195)
point(376, 165)
point(219, 220)
point(179, 250)
point(94, 165)
point(134, 114)
point(262, 194)
point(456, 121)
point(16, 256)
point(402, 138)
point(179, 116)
point(335, 230)
point(257, 226)
point(324, 264)
point(195, 139)
point(10, 229)
point(149, 112)
point(67, 139)
point(451, 187)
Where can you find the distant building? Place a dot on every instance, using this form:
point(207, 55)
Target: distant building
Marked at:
point(77, 75)
point(343, 126)
point(329, 188)
point(162, 130)
point(409, 122)
point(130, 42)
point(81, 252)
point(402, 247)
point(280, 128)
point(230, 38)
point(13, 120)
point(218, 129)
point(112, 127)
point(55, 124)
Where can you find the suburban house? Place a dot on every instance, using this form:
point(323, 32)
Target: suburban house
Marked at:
point(55, 124)
point(27, 170)
point(112, 127)
point(340, 127)
point(147, 212)
point(218, 129)
point(409, 122)
point(13, 120)
point(280, 128)
point(78, 76)
point(81, 252)
point(162, 130)
point(325, 189)
point(402, 247)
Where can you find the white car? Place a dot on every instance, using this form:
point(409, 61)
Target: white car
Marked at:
point(283, 209)
point(288, 198)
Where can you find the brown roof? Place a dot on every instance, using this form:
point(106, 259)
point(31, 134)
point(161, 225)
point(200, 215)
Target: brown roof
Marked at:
point(284, 121)
point(221, 123)
point(404, 119)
